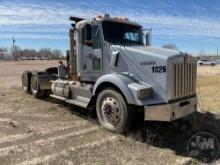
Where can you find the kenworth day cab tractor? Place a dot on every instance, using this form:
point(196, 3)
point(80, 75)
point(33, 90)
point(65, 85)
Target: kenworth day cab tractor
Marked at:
point(112, 66)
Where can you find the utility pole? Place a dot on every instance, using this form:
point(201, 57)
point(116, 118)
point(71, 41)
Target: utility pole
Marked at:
point(13, 41)
point(13, 47)
point(217, 51)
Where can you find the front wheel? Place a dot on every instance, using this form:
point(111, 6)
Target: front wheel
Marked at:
point(112, 111)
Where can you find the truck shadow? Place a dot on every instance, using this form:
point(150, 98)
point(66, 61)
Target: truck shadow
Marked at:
point(176, 135)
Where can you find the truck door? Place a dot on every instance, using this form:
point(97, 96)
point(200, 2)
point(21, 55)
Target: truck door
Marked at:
point(91, 64)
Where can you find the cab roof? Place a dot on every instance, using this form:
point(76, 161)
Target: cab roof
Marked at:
point(79, 21)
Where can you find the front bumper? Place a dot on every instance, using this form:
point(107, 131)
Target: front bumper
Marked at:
point(170, 112)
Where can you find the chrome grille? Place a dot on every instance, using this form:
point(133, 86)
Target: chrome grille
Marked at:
point(184, 80)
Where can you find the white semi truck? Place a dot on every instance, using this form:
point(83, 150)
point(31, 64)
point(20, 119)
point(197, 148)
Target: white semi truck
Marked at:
point(113, 67)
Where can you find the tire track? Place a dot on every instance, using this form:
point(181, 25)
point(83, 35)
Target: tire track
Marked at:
point(19, 139)
point(5, 120)
point(16, 137)
point(44, 142)
point(47, 158)
point(22, 117)
point(47, 147)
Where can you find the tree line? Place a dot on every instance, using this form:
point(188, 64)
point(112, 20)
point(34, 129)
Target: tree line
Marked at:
point(43, 53)
point(48, 53)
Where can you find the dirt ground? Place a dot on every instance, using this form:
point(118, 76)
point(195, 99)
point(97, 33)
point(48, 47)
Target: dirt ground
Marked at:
point(36, 131)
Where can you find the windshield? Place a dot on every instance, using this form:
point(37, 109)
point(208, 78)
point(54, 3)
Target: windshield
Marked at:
point(124, 34)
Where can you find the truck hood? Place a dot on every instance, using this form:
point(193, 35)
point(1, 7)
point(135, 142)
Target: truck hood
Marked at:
point(148, 50)
point(139, 62)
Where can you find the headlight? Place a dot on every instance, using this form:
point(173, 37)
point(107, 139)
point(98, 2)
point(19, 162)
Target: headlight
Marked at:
point(141, 91)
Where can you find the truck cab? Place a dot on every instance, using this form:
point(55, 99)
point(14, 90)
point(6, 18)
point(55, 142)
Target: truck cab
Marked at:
point(94, 41)
point(113, 67)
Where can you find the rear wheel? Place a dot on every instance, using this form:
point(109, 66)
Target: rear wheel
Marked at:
point(35, 87)
point(26, 81)
point(112, 111)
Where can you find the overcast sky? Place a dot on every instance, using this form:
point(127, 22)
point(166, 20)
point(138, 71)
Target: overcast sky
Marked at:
point(192, 25)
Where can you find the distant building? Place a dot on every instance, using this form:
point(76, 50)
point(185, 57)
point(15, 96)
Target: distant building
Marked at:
point(6, 56)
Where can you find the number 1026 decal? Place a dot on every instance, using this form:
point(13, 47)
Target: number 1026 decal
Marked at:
point(159, 69)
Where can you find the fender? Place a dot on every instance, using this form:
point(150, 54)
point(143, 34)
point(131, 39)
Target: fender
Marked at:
point(122, 82)
point(44, 79)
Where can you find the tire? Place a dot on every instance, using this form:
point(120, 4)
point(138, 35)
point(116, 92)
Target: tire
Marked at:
point(201, 64)
point(47, 93)
point(26, 81)
point(35, 87)
point(113, 112)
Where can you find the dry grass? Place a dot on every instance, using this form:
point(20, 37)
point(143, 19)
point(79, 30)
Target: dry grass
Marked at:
point(209, 93)
point(208, 85)
point(209, 70)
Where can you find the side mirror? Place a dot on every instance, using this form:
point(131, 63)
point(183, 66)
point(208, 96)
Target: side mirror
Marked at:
point(89, 43)
point(148, 38)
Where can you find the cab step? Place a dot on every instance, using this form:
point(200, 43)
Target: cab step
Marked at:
point(78, 103)
point(82, 102)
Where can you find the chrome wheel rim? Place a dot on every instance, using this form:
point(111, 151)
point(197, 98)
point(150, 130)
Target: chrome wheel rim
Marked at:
point(111, 111)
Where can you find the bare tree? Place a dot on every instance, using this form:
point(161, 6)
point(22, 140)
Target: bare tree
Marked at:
point(4, 49)
point(170, 46)
point(202, 52)
point(15, 50)
point(57, 53)
point(42, 53)
point(46, 53)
